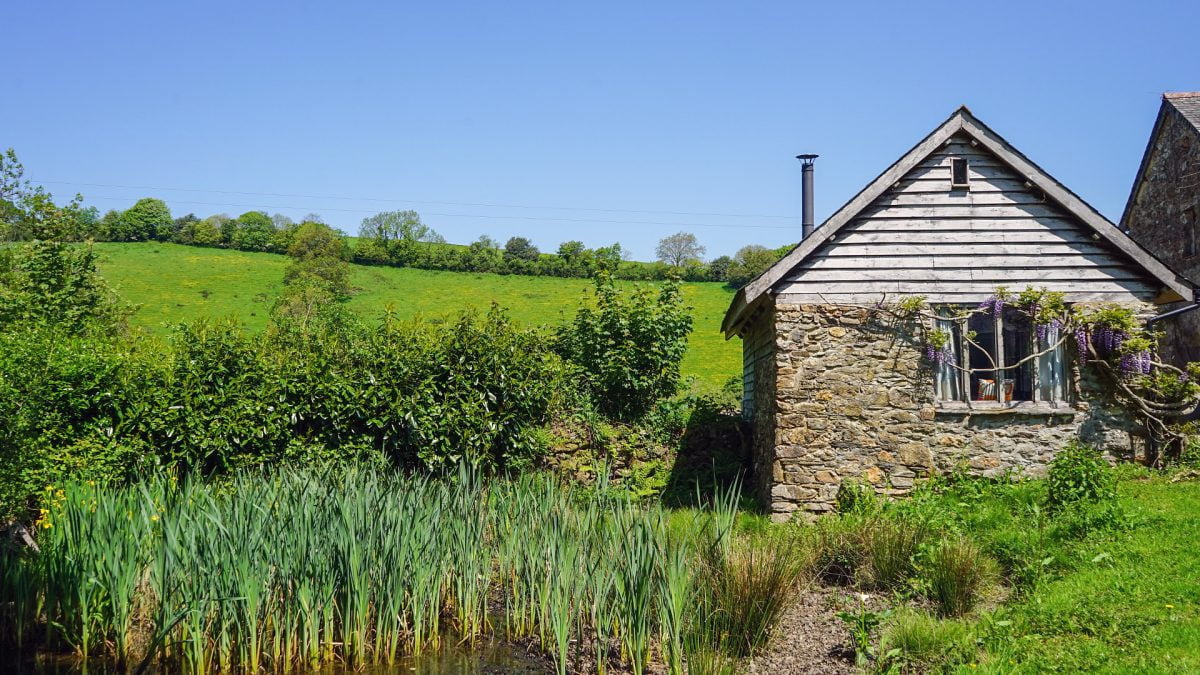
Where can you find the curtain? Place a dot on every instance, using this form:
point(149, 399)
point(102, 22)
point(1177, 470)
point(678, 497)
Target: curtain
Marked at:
point(1051, 368)
point(947, 385)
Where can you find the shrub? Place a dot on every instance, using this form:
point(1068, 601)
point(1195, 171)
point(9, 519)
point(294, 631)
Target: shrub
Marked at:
point(856, 497)
point(1079, 474)
point(919, 641)
point(628, 348)
point(54, 283)
point(956, 574)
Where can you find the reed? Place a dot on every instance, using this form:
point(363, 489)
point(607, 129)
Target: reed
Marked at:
point(294, 569)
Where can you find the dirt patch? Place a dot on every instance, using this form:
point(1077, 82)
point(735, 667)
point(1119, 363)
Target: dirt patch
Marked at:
point(810, 638)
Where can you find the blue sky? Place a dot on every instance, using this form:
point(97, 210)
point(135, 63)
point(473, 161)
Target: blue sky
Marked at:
point(632, 120)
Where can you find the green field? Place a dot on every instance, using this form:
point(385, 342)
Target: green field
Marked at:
point(172, 283)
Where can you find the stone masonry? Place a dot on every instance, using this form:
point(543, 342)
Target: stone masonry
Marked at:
point(852, 399)
point(1163, 213)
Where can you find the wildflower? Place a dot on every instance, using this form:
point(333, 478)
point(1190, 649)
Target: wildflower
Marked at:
point(1169, 606)
point(154, 517)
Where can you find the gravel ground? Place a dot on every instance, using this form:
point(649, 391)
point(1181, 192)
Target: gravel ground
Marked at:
point(810, 638)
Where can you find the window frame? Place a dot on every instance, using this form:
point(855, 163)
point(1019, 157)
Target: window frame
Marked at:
point(962, 349)
point(966, 172)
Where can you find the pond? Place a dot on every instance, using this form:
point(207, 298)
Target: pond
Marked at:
point(484, 658)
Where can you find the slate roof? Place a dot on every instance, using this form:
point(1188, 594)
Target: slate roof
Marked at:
point(1187, 103)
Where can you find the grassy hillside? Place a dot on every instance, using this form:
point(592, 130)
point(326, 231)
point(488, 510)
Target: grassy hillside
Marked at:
point(173, 283)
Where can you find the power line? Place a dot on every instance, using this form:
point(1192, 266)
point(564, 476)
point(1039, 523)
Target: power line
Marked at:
point(471, 215)
point(420, 201)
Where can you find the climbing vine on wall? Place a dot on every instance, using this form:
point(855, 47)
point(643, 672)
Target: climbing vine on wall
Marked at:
point(1110, 338)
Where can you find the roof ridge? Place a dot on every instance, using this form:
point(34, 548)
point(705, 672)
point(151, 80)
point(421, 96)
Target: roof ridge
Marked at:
point(960, 121)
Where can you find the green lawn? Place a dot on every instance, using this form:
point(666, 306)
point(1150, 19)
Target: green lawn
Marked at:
point(172, 283)
point(1132, 603)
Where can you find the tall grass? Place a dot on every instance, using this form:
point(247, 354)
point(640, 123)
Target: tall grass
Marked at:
point(957, 573)
point(295, 569)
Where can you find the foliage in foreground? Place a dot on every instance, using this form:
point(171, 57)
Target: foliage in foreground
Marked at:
point(83, 398)
point(296, 569)
point(960, 543)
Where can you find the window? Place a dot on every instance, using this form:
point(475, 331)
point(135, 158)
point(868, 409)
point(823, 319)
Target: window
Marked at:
point(1006, 361)
point(958, 172)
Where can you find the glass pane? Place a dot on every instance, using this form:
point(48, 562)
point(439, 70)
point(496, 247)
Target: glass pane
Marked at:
point(1052, 367)
point(958, 171)
point(1018, 344)
point(982, 354)
point(946, 382)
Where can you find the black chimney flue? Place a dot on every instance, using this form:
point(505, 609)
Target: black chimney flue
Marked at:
point(806, 195)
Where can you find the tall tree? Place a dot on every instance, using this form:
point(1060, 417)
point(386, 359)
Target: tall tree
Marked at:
point(395, 226)
point(148, 219)
point(751, 261)
point(718, 269)
point(319, 257)
point(520, 248)
point(679, 249)
point(29, 212)
point(255, 229)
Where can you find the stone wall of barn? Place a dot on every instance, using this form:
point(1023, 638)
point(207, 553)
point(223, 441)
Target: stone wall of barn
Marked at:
point(1163, 216)
point(759, 378)
point(853, 399)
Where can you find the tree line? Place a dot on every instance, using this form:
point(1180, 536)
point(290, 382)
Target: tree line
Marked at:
point(395, 238)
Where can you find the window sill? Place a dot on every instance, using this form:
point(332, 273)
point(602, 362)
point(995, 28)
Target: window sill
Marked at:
point(994, 408)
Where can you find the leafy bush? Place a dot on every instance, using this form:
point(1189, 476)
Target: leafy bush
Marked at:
point(310, 389)
point(628, 348)
point(862, 624)
point(856, 497)
point(956, 573)
point(55, 283)
point(1079, 474)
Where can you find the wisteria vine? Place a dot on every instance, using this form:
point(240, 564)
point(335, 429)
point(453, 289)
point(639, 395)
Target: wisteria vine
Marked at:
point(1109, 337)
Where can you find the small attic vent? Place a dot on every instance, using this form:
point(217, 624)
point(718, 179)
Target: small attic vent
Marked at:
point(958, 172)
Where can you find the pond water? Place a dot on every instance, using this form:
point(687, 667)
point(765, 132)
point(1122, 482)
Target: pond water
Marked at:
point(483, 658)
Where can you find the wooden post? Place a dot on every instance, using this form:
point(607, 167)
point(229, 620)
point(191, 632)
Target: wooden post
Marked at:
point(998, 340)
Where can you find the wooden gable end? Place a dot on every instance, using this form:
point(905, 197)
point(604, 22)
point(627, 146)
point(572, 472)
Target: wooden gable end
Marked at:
point(921, 236)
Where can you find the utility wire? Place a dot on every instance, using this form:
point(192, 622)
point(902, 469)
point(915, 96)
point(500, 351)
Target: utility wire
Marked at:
point(418, 201)
point(471, 215)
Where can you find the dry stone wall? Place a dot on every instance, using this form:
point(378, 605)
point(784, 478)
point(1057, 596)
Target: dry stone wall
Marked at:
point(854, 400)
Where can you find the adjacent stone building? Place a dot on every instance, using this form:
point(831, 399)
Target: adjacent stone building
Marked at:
point(837, 389)
point(1163, 212)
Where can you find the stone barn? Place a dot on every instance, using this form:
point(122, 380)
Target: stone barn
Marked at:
point(1163, 212)
point(833, 395)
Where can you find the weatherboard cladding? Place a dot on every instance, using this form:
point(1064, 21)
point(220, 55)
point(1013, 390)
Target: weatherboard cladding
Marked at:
point(921, 237)
point(909, 232)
